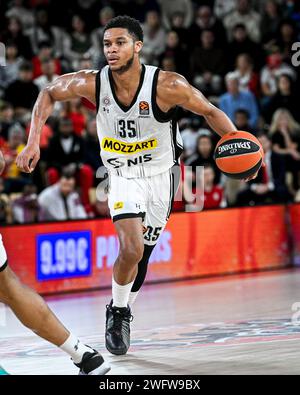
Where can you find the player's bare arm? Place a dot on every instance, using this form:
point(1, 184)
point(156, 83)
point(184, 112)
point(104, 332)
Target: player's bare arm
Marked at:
point(174, 90)
point(66, 87)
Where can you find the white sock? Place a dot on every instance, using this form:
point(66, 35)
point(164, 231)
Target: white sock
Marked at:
point(132, 297)
point(75, 348)
point(120, 294)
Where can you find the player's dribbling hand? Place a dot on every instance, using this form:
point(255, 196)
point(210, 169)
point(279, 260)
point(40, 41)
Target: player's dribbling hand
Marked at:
point(28, 158)
point(254, 175)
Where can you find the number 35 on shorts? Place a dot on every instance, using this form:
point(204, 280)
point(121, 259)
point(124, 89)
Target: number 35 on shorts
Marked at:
point(152, 234)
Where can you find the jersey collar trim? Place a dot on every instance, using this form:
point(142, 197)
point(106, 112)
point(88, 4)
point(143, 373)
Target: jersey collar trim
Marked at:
point(112, 87)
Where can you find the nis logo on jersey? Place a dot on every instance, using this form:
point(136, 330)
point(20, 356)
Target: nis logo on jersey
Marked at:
point(113, 145)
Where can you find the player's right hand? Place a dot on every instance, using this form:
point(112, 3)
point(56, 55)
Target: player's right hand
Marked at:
point(28, 158)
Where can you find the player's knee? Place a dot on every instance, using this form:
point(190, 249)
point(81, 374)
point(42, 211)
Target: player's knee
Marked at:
point(131, 252)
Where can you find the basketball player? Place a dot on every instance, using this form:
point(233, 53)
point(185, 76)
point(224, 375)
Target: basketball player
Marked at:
point(140, 146)
point(34, 313)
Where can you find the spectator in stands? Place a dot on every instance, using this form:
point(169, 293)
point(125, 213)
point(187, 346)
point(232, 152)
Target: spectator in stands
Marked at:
point(241, 121)
point(234, 100)
point(274, 68)
point(248, 78)
point(139, 8)
point(10, 72)
point(204, 155)
point(286, 37)
point(14, 180)
point(66, 151)
point(285, 135)
point(154, 38)
point(240, 44)
point(48, 73)
point(14, 32)
point(23, 92)
point(6, 119)
point(177, 25)
point(87, 63)
point(105, 15)
point(91, 146)
point(206, 192)
point(270, 22)
point(75, 111)
point(269, 186)
point(60, 202)
point(175, 50)
point(223, 7)
point(205, 20)
point(168, 8)
point(45, 52)
point(285, 97)
point(213, 193)
point(247, 16)
point(168, 64)
point(190, 136)
point(79, 42)
point(25, 209)
point(18, 11)
point(208, 65)
point(44, 31)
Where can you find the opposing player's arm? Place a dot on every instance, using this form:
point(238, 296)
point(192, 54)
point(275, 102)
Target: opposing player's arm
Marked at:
point(175, 90)
point(66, 87)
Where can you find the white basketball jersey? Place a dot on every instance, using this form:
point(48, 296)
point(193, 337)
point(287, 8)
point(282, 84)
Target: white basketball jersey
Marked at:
point(139, 140)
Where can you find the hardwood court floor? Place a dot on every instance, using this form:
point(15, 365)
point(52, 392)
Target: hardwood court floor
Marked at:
point(233, 325)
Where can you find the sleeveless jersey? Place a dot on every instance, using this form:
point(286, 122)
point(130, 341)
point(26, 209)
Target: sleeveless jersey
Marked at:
point(139, 140)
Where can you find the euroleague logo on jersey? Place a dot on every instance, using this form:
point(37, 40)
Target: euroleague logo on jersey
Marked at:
point(144, 108)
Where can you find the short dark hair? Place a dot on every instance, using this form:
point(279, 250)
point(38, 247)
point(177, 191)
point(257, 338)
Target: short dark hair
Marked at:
point(26, 66)
point(243, 112)
point(67, 173)
point(263, 133)
point(208, 165)
point(126, 22)
point(239, 26)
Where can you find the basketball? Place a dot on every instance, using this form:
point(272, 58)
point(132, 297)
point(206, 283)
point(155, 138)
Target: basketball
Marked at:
point(238, 154)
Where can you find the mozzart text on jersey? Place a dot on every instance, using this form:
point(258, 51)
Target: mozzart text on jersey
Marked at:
point(113, 145)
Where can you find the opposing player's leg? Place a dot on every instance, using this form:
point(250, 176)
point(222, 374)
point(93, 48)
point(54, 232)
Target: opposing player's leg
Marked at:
point(35, 314)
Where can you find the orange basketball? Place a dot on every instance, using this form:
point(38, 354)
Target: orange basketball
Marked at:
point(238, 154)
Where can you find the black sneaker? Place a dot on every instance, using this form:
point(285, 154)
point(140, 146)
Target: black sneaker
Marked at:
point(92, 364)
point(117, 334)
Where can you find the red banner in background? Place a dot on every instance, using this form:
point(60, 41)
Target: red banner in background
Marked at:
point(69, 256)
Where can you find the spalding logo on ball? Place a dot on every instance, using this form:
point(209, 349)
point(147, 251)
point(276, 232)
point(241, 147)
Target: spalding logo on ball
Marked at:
point(239, 154)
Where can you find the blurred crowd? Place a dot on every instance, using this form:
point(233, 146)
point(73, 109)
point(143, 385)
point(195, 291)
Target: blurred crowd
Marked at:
point(237, 52)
